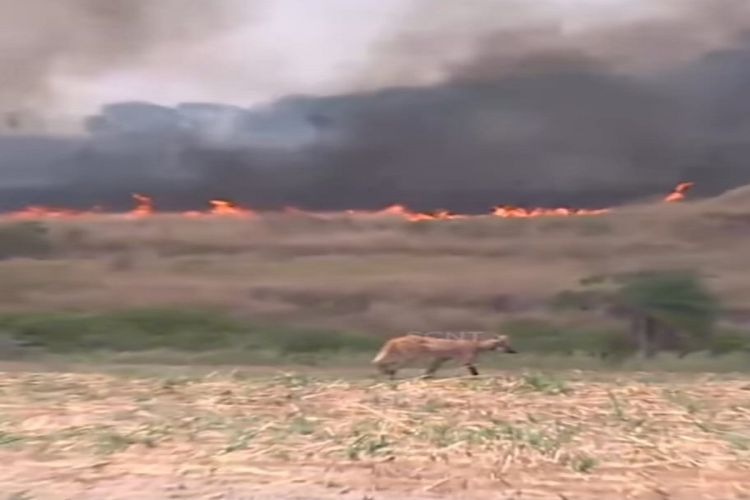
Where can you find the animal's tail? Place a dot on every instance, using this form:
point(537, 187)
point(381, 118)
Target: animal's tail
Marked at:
point(380, 356)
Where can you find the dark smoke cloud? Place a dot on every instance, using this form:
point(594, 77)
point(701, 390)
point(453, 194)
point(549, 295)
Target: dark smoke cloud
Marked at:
point(489, 39)
point(533, 112)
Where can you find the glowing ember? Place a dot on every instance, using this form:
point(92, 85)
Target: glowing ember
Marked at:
point(679, 191)
point(144, 206)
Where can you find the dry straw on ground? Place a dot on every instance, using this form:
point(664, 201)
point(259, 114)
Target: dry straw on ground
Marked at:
point(68, 435)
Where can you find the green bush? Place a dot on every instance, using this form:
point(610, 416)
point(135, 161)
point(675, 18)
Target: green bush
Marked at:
point(676, 302)
point(25, 239)
point(677, 298)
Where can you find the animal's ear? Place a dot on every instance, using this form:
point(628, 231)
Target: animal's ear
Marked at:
point(502, 338)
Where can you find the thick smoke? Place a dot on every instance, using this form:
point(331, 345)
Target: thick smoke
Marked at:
point(44, 42)
point(480, 40)
point(484, 102)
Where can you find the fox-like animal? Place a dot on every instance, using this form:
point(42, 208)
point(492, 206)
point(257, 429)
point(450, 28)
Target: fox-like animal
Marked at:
point(401, 351)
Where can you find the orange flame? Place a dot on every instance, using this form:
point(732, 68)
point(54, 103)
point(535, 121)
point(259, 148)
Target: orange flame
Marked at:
point(402, 211)
point(678, 194)
point(508, 211)
point(144, 206)
point(224, 207)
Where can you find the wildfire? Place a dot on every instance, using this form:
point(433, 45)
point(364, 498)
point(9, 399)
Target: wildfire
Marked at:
point(679, 191)
point(224, 207)
point(509, 211)
point(144, 206)
point(401, 211)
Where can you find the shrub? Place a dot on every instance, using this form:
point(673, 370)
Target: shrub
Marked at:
point(677, 298)
point(668, 306)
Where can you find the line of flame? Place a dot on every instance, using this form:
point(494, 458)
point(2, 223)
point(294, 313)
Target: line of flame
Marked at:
point(144, 206)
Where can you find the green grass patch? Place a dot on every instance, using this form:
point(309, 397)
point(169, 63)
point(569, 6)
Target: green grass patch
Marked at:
point(543, 337)
point(190, 336)
point(540, 337)
point(172, 329)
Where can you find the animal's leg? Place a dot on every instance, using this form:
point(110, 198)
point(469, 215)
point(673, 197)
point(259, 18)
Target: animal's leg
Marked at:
point(433, 367)
point(388, 369)
point(468, 361)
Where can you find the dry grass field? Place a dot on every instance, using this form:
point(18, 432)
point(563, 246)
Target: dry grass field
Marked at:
point(332, 430)
point(248, 434)
point(375, 274)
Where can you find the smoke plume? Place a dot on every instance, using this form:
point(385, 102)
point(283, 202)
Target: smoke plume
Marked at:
point(461, 107)
point(44, 41)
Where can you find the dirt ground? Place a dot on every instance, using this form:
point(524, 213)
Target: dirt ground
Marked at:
point(235, 435)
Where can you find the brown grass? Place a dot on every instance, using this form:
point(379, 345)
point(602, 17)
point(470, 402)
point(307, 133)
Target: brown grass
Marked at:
point(379, 274)
point(78, 435)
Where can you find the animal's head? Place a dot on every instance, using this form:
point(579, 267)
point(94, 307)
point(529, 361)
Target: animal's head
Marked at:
point(500, 343)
